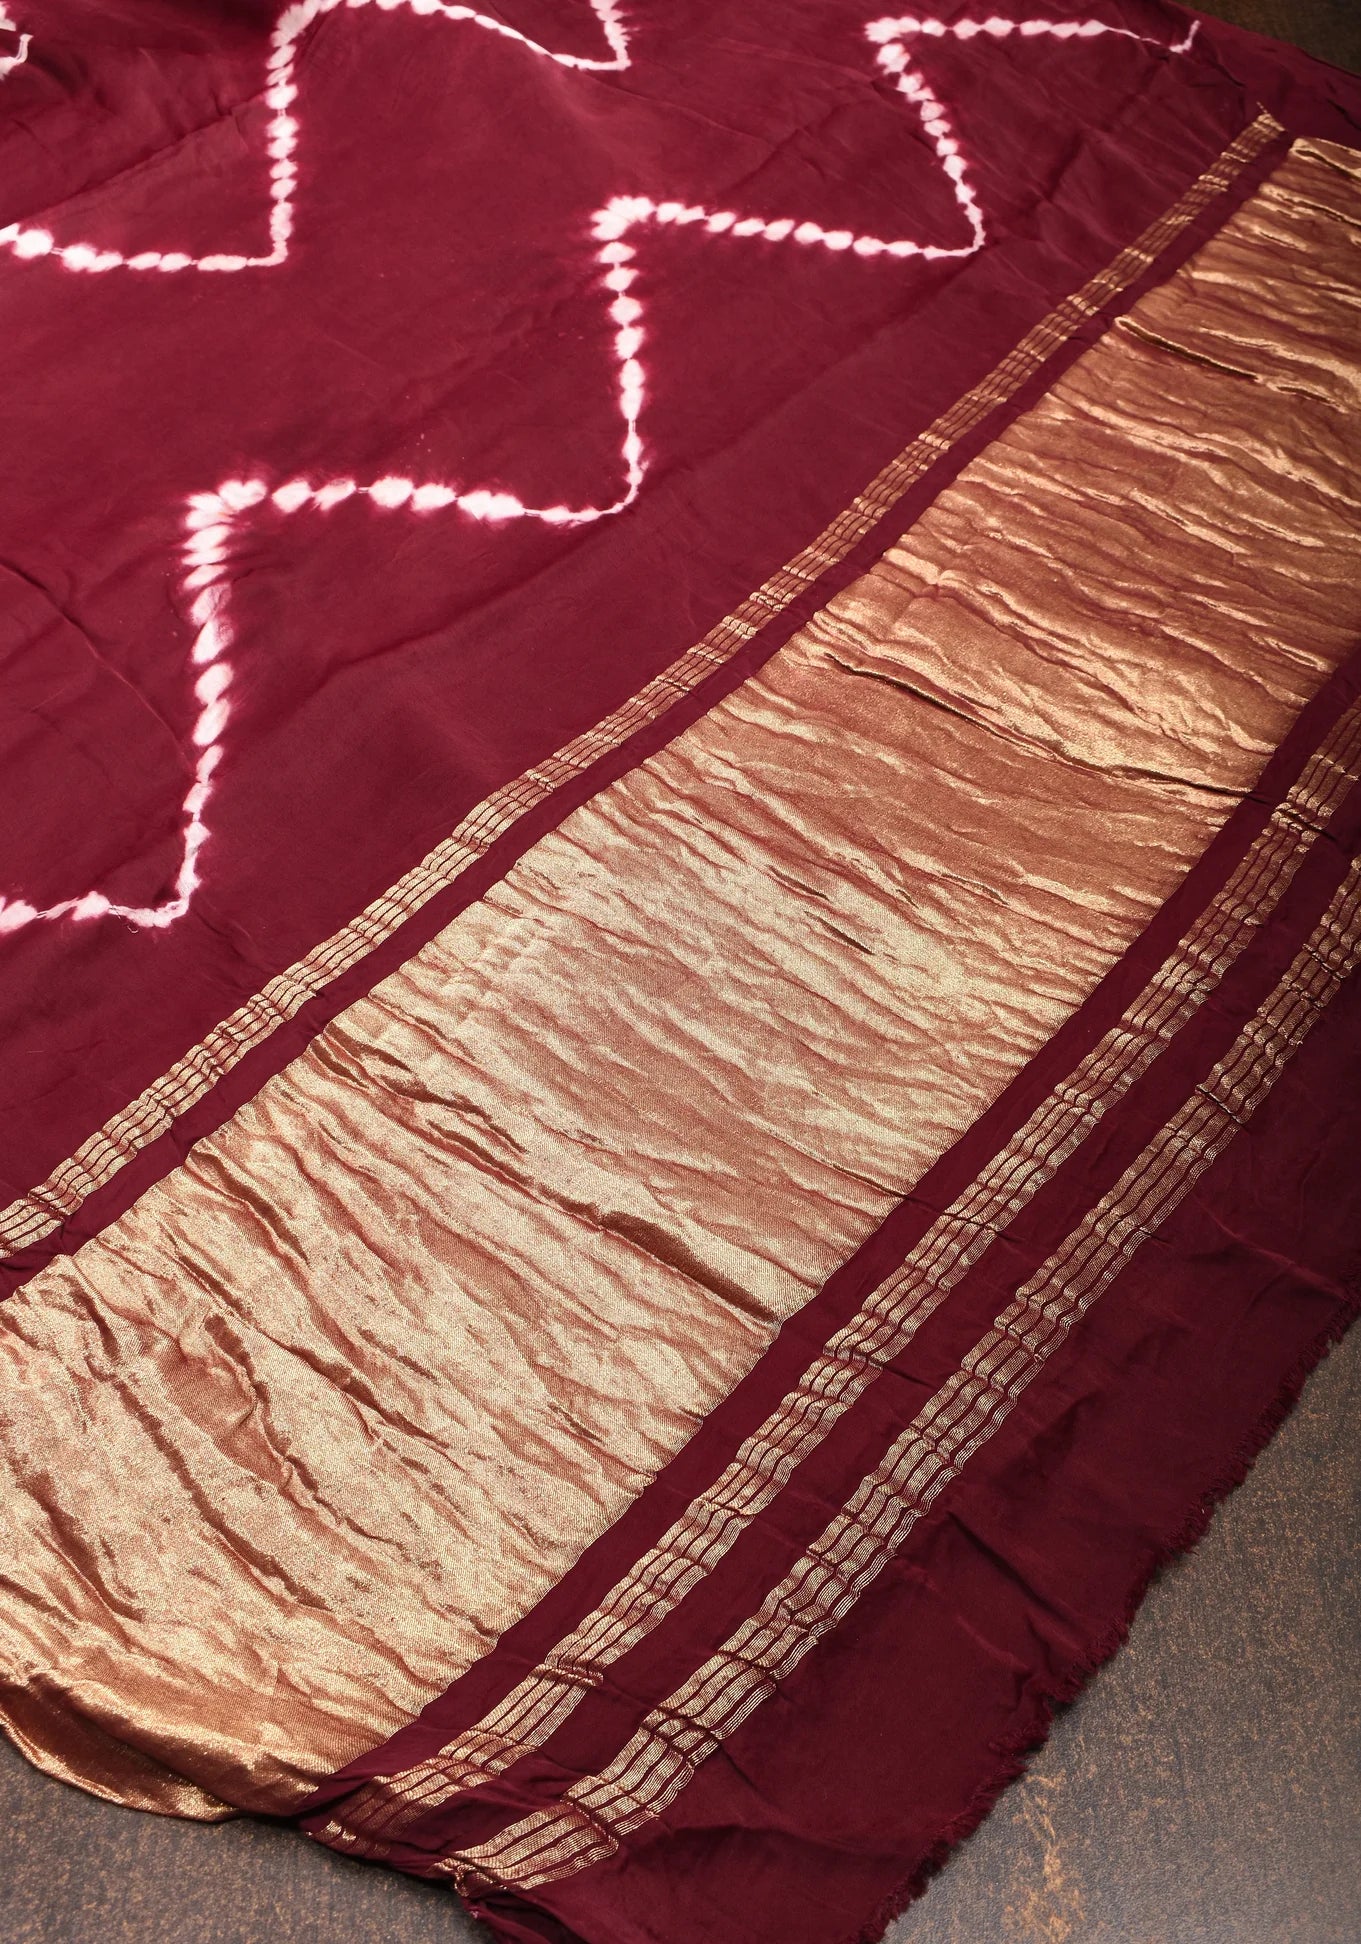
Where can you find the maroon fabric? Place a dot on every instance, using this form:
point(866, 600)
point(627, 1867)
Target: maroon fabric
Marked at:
point(244, 1080)
point(832, 1803)
point(440, 316)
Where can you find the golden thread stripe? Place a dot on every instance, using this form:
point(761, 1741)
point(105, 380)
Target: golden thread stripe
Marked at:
point(655, 1766)
point(885, 1324)
point(44, 1208)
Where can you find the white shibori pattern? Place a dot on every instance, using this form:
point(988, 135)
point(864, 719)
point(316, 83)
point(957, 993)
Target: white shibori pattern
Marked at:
point(650, 1772)
point(885, 1324)
point(44, 1208)
point(30, 241)
point(8, 62)
point(891, 36)
point(211, 517)
point(128, 1132)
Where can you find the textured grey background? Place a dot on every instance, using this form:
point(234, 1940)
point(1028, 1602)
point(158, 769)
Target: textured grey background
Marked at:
point(1206, 1789)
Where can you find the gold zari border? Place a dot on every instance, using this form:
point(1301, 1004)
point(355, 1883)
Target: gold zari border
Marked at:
point(887, 1321)
point(651, 1771)
point(43, 1209)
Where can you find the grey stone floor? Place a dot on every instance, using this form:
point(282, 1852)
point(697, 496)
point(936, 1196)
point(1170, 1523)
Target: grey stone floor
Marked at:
point(1329, 28)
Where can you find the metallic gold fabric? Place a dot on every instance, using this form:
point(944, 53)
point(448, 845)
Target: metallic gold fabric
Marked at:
point(861, 1537)
point(883, 1326)
point(288, 1445)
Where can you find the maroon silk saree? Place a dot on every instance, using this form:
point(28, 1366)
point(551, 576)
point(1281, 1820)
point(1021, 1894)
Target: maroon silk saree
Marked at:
point(679, 906)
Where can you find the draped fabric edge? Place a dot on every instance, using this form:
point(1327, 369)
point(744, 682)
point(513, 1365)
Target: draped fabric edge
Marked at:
point(1299, 825)
point(1013, 1757)
point(1270, 996)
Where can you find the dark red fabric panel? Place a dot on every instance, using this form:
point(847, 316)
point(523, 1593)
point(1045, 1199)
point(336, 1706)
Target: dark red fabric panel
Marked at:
point(606, 1718)
point(440, 316)
point(823, 1809)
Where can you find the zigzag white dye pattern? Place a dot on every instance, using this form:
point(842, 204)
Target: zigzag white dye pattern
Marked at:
point(8, 62)
point(281, 92)
point(891, 35)
point(211, 516)
point(208, 526)
point(210, 523)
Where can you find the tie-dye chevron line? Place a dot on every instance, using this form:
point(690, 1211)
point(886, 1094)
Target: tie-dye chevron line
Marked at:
point(212, 516)
point(8, 62)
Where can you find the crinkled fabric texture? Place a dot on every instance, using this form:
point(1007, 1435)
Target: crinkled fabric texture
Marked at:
point(391, 1349)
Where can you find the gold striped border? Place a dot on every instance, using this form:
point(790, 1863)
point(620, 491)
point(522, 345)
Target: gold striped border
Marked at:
point(44, 1208)
point(858, 1542)
point(886, 1322)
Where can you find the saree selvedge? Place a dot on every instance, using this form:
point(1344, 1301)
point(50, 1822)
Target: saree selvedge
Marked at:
point(636, 1208)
